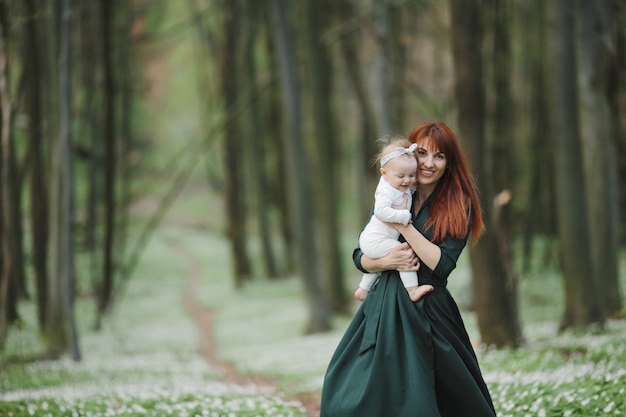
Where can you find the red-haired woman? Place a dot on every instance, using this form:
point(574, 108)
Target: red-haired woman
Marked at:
point(399, 358)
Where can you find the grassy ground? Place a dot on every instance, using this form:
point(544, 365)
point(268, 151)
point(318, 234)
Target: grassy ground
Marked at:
point(145, 361)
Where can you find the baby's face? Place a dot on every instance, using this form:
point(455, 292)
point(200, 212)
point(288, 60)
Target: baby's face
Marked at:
point(400, 172)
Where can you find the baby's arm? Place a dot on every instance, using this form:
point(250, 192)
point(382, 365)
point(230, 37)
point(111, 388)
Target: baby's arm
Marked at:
point(387, 212)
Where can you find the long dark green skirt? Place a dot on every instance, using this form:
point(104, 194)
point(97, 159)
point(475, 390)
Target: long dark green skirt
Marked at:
point(404, 359)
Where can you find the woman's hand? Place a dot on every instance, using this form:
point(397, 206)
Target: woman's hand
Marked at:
point(401, 258)
point(429, 253)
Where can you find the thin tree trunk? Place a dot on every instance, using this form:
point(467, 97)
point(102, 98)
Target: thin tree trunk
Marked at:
point(617, 100)
point(257, 144)
point(325, 184)
point(56, 331)
point(581, 296)
point(398, 64)
point(5, 210)
point(540, 207)
point(124, 61)
point(381, 66)
point(298, 169)
point(367, 176)
point(105, 290)
point(17, 287)
point(65, 252)
point(599, 150)
point(38, 198)
point(503, 141)
point(235, 202)
point(277, 163)
point(92, 125)
point(493, 287)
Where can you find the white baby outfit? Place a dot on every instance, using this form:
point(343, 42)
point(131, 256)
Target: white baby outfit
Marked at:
point(377, 239)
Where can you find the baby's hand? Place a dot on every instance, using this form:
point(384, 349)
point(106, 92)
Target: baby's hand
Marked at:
point(404, 205)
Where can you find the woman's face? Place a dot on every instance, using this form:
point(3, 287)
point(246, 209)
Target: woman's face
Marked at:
point(431, 164)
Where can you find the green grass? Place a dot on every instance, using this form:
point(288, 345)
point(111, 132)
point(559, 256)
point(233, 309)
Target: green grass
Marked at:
point(145, 361)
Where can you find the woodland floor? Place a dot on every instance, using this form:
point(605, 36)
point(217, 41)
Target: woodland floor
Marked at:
point(204, 320)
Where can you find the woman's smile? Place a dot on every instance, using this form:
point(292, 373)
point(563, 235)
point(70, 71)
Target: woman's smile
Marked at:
point(431, 165)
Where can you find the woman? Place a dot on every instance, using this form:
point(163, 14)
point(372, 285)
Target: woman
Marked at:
point(399, 358)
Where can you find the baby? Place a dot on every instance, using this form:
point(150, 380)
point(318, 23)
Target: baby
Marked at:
point(398, 168)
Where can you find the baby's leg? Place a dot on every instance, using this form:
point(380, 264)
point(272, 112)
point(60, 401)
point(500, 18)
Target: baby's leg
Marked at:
point(417, 292)
point(360, 293)
point(409, 279)
point(367, 280)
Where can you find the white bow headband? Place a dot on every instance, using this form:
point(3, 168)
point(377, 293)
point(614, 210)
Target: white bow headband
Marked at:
point(398, 152)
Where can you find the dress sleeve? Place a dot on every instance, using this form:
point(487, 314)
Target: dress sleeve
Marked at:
point(450, 251)
point(356, 257)
point(357, 253)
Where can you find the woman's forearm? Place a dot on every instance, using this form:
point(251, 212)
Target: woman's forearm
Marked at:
point(371, 265)
point(428, 253)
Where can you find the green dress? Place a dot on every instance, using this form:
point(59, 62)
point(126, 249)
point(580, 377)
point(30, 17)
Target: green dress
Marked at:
point(403, 359)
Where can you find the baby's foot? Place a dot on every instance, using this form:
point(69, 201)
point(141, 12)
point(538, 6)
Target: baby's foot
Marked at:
point(360, 294)
point(418, 292)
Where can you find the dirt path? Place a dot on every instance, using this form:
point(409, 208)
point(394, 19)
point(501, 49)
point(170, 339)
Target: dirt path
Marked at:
point(204, 319)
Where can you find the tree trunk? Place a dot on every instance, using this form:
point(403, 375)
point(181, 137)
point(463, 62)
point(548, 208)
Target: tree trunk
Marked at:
point(17, 288)
point(539, 213)
point(599, 150)
point(617, 100)
point(493, 287)
point(235, 202)
point(6, 261)
point(256, 142)
point(367, 176)
point(326, 182)
point(581, 295)
point(105, 290)
point(298, 170)
point(92, 124)
point(60, 325)
point(381, 67)
point(277, 158)
point(38, 198)
point(502, 141)
point(398, 64)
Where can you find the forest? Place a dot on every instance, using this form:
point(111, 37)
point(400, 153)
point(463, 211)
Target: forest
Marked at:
point(288, 101)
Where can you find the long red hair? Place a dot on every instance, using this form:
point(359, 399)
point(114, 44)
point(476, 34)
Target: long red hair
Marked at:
point(455, 199)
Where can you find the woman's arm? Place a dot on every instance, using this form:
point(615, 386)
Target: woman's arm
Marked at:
point(428, 252)
point(401, 258)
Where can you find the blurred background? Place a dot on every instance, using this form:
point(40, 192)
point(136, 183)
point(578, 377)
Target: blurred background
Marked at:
point(261, 118)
